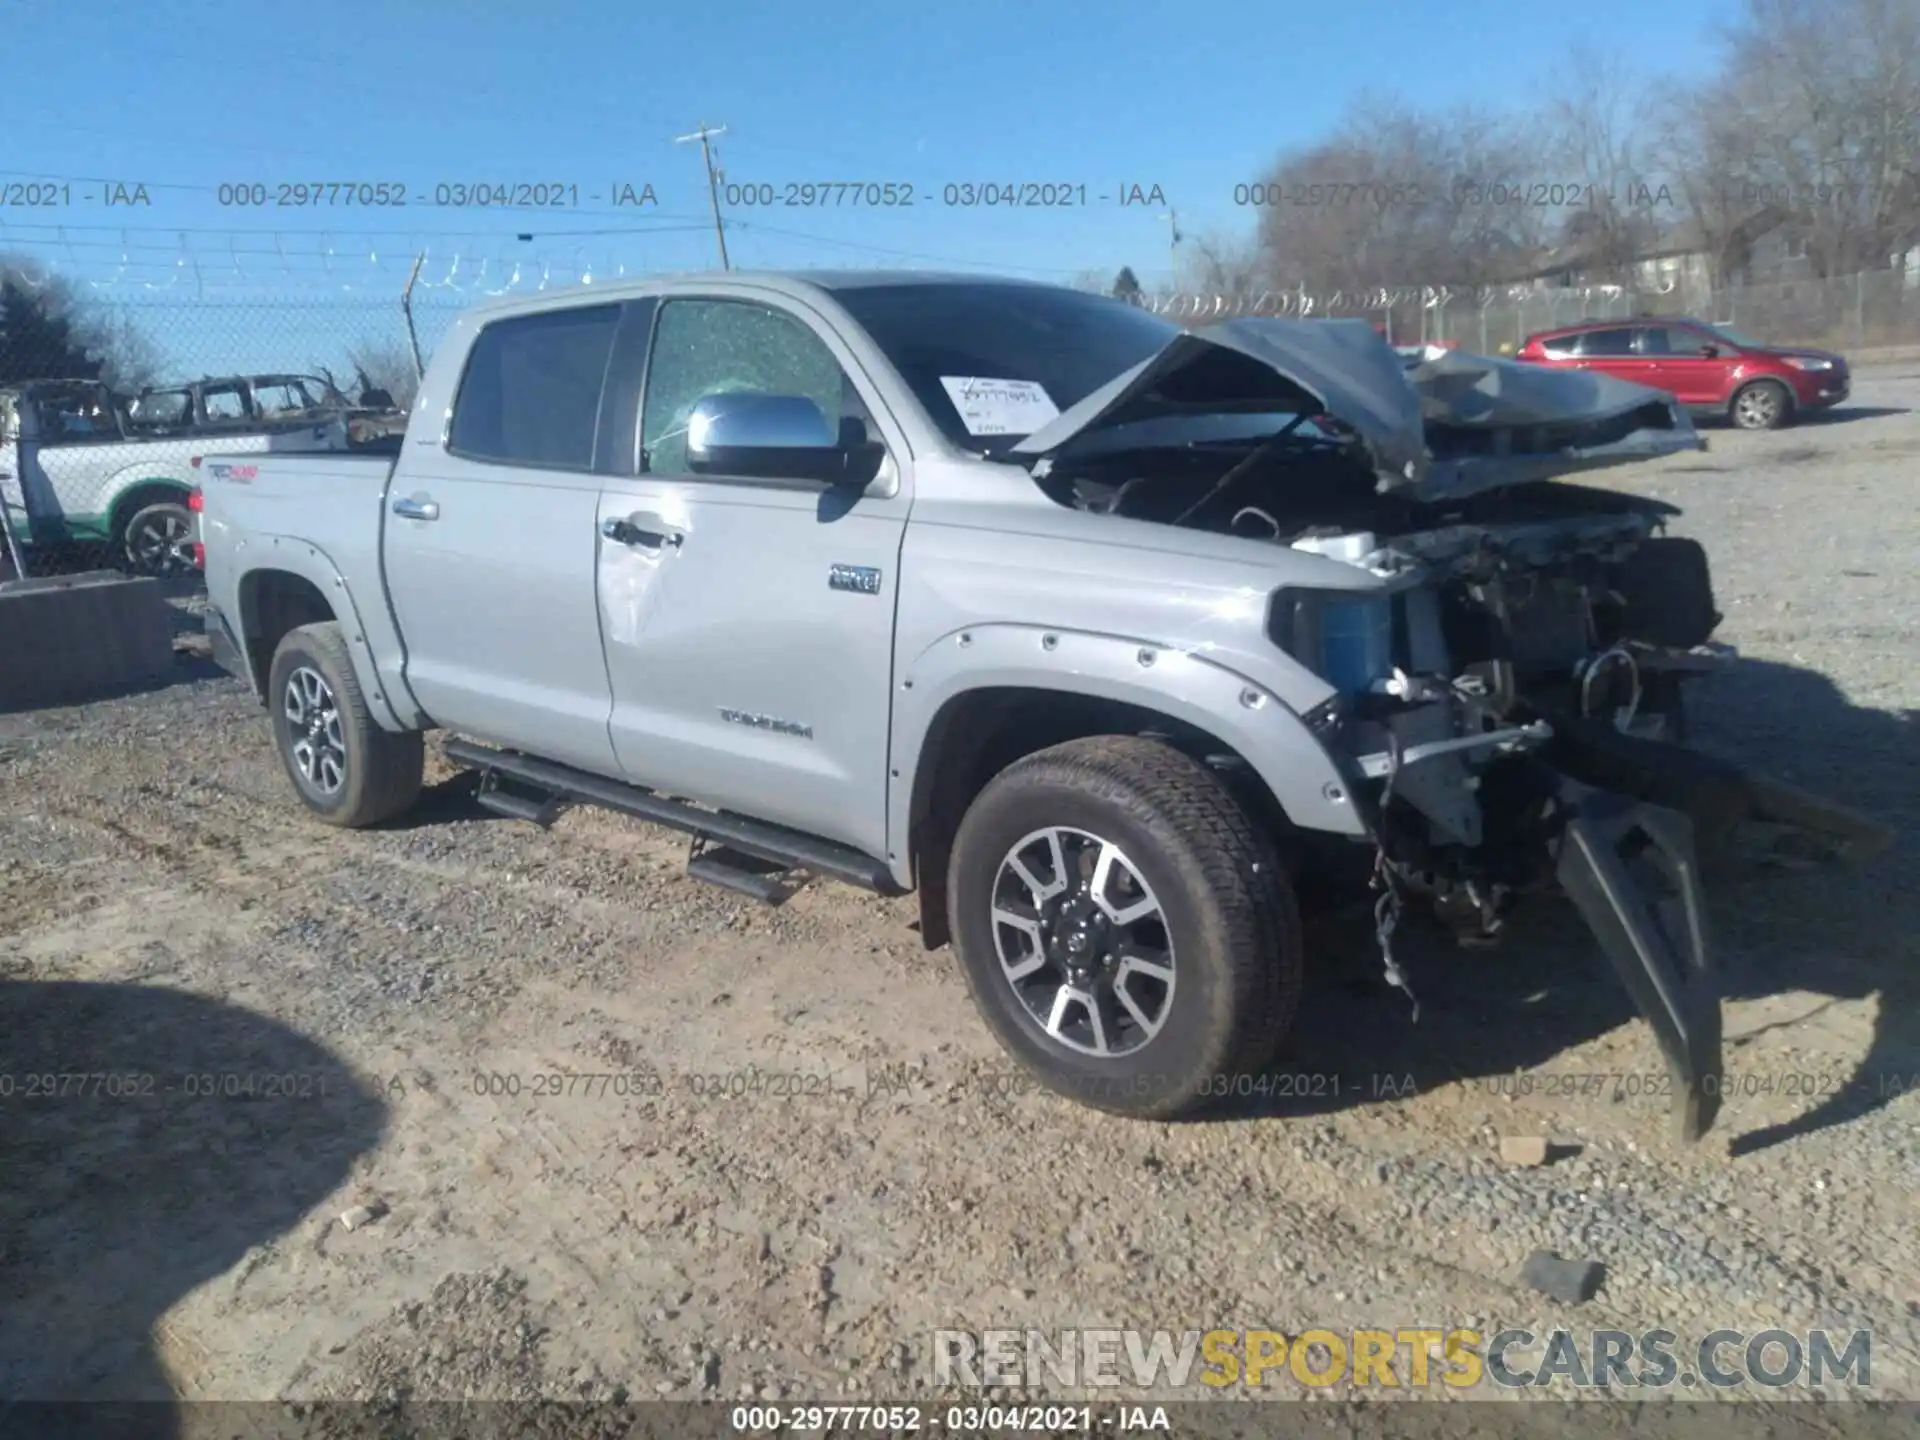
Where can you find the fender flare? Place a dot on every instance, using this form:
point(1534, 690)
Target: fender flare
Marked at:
point(1241, 713)
point(316, 567)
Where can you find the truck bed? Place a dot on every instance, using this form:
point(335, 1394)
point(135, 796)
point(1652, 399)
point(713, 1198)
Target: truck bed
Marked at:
point(264, 497)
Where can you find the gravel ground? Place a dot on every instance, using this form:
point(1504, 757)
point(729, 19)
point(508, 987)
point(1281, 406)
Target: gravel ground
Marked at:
point(815, 1156)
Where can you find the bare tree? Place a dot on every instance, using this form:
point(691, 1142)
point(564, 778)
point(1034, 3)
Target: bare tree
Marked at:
point(386, 364)
point(1814, 125)
point(1605, 159)
point(131, 358)
point(1218, 265)
point(1397, 196)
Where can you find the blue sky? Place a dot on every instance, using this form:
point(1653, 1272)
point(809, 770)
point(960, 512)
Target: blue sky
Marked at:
point(183, 96)
point(196, 93)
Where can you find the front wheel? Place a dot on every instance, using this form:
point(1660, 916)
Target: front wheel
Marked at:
point(1763, 405)
point(347, 770)
point(1125, 931)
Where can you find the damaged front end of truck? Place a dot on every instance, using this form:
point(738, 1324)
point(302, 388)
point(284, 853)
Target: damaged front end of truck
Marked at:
point(1509, 705)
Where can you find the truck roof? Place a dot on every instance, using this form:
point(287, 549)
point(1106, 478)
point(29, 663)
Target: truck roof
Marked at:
point(796, 283)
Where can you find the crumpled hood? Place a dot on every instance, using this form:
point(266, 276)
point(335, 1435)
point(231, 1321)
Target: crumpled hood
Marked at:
point(1438, 429)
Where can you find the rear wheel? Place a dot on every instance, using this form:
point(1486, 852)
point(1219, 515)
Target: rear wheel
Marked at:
point(157, 539)
point(346, 769)
point(1762, 405)
point(1124, 929)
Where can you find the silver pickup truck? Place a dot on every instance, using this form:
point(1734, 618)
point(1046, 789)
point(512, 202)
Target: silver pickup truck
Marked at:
point(1102, 636)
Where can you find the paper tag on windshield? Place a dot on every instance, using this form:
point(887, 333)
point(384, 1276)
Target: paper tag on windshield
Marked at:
point(999, 407)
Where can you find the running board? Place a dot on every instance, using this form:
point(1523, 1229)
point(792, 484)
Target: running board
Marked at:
point(765, 880)
point(758, 839)
point(1654, 931)
point(541, 810)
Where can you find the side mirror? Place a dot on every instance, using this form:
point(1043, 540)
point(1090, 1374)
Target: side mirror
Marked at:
point(770, 436)
point(1710, 352)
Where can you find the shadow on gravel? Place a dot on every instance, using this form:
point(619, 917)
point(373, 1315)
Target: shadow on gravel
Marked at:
point(137, 1167)
point(1845, 413)
point(444, 802)
point(1839, 932)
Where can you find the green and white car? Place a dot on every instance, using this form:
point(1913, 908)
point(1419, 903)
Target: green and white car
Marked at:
point(84, 466)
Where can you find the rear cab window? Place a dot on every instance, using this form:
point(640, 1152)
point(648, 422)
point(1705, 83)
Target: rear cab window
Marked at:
point(531, 391)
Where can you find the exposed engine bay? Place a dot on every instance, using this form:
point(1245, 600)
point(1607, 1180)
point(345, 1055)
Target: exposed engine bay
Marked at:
point(1508, 675)
point(1551, 606)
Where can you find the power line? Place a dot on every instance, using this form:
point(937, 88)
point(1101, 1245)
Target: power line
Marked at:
point(897, 254)
point(405, 239)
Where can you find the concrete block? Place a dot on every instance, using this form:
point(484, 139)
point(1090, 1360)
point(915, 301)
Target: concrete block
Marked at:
point(70, 638)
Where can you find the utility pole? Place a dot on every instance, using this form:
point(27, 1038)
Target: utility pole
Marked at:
point(1172, 217)
point(703, 135)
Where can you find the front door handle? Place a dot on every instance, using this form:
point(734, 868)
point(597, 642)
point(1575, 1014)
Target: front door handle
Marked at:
point(415, 507)
point(642, 528)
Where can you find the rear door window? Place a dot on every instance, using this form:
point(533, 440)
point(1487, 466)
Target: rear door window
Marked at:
point(531, 392)
point(1671, 340)
point(1598, 344)
point(224, 404)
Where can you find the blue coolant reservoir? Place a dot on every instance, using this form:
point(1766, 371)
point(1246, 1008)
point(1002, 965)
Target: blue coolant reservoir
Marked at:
point(1356, 642)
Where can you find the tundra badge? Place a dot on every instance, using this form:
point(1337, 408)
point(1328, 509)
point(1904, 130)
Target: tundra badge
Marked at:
point(767, 722)
point(860, 579)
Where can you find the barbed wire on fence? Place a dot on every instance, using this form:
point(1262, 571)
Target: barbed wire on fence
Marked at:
point(1305, 304)
point(1880, 307)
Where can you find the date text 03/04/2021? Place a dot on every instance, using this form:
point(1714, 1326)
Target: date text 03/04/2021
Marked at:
point(441, 195)
point(987, 194)
point(1473, 193)
point(953, 1419)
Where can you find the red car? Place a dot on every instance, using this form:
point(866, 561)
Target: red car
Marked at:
point(1708, 368)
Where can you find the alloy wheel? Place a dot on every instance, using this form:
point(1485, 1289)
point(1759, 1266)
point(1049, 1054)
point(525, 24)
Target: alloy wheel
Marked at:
point(1083, 942)
point(157, 543)
point(314, 738)
point(1758, 408)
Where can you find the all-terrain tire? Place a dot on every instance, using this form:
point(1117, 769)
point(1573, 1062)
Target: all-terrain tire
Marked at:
point(352, 773)
point(1230, 915)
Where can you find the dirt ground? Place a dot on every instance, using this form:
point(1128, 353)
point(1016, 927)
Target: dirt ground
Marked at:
point(624, 1134)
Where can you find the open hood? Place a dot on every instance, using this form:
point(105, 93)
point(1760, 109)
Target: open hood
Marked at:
point(1434, 429)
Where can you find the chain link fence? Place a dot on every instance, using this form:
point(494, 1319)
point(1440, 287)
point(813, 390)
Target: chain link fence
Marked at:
point(1852, 312)
point(107, 411)
point(105, 405)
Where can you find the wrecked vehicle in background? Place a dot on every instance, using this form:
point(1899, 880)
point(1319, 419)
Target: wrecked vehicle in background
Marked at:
point(88, 466)
point(1099, 681)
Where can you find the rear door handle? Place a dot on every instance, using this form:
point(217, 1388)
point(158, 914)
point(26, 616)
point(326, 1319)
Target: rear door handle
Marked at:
point(416, 507)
